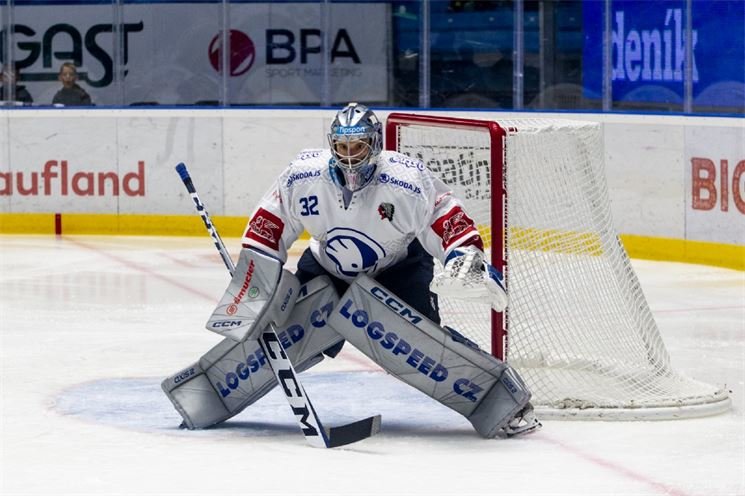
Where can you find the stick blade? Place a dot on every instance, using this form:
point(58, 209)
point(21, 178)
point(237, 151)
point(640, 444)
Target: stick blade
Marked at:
point(351, 433)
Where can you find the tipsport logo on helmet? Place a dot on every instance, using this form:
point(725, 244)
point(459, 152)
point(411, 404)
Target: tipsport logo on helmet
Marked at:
point(346, 131)
point(352, 251)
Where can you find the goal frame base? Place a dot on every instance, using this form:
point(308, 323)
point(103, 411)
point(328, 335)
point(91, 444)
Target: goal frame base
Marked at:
point(635, 414)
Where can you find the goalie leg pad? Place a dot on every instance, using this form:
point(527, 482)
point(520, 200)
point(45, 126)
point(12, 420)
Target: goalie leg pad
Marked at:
point(499, 409)
point(233, 375)
point(440, 363)
point(201, 405)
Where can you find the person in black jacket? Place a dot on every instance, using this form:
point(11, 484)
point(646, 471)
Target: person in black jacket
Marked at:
point(71, 93)
point(19, 94)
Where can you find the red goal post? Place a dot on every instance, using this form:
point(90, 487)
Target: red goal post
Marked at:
point(496, 134)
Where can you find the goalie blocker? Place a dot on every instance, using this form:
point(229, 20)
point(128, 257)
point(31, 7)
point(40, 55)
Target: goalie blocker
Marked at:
point(439, 362)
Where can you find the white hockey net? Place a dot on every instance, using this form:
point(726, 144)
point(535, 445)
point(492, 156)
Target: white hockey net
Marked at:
point(578, 327)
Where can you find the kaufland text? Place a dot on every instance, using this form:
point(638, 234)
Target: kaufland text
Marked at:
point(57, 178)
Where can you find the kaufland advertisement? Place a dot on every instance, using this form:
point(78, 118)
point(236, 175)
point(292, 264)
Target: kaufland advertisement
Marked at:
point(668, 176)
point(172, 53)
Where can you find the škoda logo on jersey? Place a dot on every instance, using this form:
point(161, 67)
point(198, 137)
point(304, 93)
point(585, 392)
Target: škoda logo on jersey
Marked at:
point(301, 175)
point(388, 179)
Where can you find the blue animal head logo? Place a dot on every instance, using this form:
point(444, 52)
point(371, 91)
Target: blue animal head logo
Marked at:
point(352, 251)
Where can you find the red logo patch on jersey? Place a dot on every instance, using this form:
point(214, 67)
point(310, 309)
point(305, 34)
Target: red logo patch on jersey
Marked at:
point(453, 226)
point(266, 228)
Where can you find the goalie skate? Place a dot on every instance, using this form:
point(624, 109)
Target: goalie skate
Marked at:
point(524, 422)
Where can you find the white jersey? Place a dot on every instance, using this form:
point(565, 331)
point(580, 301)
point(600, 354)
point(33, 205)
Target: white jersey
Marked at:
point(402, 202)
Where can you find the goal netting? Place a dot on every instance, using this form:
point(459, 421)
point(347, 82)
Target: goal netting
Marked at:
point(578, 327)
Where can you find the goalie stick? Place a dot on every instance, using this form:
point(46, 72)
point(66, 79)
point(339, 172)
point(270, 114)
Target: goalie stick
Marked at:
point(315, 433)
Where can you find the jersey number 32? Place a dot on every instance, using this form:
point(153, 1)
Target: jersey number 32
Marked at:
point(309, 205)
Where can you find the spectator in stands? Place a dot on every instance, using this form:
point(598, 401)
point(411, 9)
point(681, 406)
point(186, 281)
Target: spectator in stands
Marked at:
point(19, 94)
point(71, 93)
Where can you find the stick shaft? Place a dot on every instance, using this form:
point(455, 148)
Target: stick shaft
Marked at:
point(202, 211)
point(305, 415)
point(278, 360)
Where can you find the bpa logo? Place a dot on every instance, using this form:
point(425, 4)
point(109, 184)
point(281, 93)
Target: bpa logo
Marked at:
point(283, 47)
point(242, 52)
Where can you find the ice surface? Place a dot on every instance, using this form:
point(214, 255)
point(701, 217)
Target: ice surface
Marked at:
point(89, 326)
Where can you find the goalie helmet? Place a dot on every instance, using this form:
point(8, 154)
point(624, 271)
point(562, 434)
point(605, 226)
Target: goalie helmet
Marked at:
point(356, 140)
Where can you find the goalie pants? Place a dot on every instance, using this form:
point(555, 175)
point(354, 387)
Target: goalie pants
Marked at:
point(409, 279)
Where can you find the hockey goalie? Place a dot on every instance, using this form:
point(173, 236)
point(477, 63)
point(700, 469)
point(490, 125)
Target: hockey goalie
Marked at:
point(377, 221)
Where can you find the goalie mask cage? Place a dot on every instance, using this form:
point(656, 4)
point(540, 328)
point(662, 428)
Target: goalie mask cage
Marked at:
point(578, 327)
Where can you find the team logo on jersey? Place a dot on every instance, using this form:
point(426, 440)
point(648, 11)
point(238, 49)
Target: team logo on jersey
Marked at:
point(352, 251)
point(386, 211)
point(266, 228)
point(453, 226)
